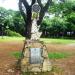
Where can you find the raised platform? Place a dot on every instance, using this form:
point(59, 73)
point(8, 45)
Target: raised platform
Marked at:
point(35, 57)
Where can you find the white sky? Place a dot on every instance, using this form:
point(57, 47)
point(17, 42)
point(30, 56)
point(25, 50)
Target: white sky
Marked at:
point(9, 4)
point(12, 4)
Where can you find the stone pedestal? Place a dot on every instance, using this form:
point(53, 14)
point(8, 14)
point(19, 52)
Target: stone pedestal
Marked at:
point(35, 61)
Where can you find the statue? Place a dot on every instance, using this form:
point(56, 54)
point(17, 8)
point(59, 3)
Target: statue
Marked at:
point(35, 34)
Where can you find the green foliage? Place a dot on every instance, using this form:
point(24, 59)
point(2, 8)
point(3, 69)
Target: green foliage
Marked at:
point(58, 55)
point(55, 27)
point(12, 33)
point(70, 21)
point(58, 7)
point(18, 23)
point(3, 14)
point(71, 18)
point(58, 24)
point(12, 19)
point(16, 54)
point(62, 22)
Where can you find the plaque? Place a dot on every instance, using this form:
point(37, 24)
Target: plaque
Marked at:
point(36, 56)
point(36, 8)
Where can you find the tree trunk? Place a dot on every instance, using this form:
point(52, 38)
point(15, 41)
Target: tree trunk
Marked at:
point(28, 14)
point(28, 24)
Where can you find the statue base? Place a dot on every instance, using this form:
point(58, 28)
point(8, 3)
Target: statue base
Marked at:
point(35, 57)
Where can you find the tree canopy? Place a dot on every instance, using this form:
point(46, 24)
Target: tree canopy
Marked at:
point(59, 25)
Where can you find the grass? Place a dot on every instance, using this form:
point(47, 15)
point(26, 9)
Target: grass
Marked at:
point(46, 40)
point(5, 39)
point(52, 55)
point(59, 55)
point(57, 41)
point(16, 54)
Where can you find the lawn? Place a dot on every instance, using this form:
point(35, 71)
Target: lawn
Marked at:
point(59, 55)
point(57, 41)
point(46, 40)
point(5, 39)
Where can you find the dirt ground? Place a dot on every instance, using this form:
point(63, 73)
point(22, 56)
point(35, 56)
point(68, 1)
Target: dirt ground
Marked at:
point(66, 65)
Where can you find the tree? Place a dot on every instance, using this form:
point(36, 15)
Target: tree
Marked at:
point(3, 15)
point(27, 13)
point(18, 23)
point(54, 27)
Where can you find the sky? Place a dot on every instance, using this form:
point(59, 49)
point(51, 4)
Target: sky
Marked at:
point(9, 4)
point(12, 4)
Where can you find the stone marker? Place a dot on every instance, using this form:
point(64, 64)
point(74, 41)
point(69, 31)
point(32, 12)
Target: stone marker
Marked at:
point(35, 59)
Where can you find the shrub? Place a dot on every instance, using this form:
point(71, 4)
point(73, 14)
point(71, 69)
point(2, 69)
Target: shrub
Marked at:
point(12, 33)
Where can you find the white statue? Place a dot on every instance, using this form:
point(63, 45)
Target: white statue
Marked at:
point(35, 34)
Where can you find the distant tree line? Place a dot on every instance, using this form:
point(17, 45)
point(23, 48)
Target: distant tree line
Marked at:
point(61, 25)
point(11, 20)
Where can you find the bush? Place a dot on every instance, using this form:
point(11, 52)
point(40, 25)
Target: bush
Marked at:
point(12, 33)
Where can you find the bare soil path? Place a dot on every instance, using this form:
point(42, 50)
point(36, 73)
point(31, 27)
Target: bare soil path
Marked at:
point(7, 61)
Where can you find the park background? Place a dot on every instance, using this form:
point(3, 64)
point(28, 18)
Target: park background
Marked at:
point(59, 21)
point(58, 33)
